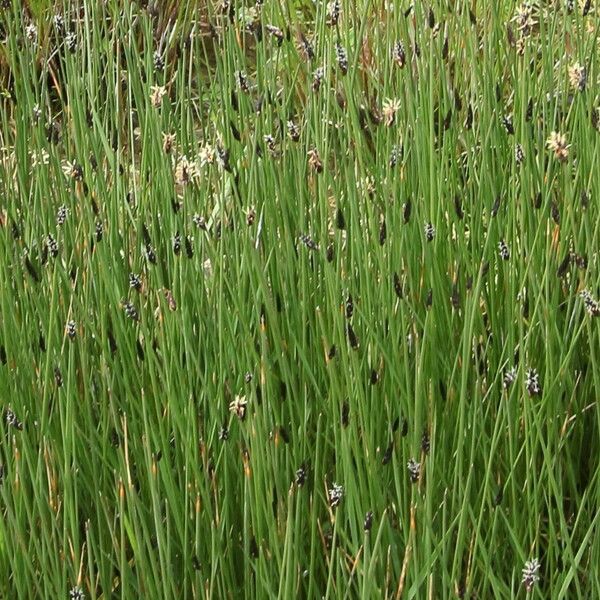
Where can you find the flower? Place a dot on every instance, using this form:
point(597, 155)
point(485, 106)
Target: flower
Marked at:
point(414, 470)
point(578, 76)
point(157, 92)
point(185, 171)
point(530, 574)
point(73, 170)
point(390, 108)
point(336, 494)
point(509, 377)
point(168, 142)
point(238, 407)
point(557, 142)
point(39, 158)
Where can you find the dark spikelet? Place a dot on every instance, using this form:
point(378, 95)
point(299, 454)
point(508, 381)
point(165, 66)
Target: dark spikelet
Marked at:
point(469, 117)
point(455, 296)
point(398, 286)
point(340, 221)
point(332, 352)
point(2, 354)
point(31, 270)
point(555, 212)
point(345, 415)
point(330, 254)
point(349, 307)
point(458, 207)
point(496, 206)
point(382, 232)
point(352, 338)
point(406, 210)
point(564, 266)
point(387, 455)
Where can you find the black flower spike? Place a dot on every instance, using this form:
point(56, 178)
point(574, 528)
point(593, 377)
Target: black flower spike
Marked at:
point(11, 419)
point(532, 382)
point(414, 470)
point(135, 282)
point(374, 377)
point(496, 206)
point(382, 232)
point(52, 246)
point(508, 124)
point(330, 254)
point(342, 58)
point(368, 522)
point(429, 231)
point(276, 33)
point(469, 117)
point(177, 243)
point(352, 339)
point(58, 380)
point(425, 442)
point(345, 414)
point(308, 242)
point(406, 211)
point(340, 221)
point(564, 266)
point(334, 10)
point(71, 329)
point(399, 54)
point(130, 310)
point(398, 286)
point(349, 306)
point(503, 250)
point(458, 207)
point(99, 230)
point(150, 254)
point(387, 455)
point(32, 270)
point(300, 476)
point(306, 48)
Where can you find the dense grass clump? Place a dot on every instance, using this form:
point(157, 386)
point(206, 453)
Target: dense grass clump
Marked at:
point(299, 300)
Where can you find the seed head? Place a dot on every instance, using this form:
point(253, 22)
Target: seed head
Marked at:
point(368, 522)
point(99, 230)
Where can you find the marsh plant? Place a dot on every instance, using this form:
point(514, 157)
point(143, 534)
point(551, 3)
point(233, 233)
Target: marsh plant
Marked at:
point(299, 299)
